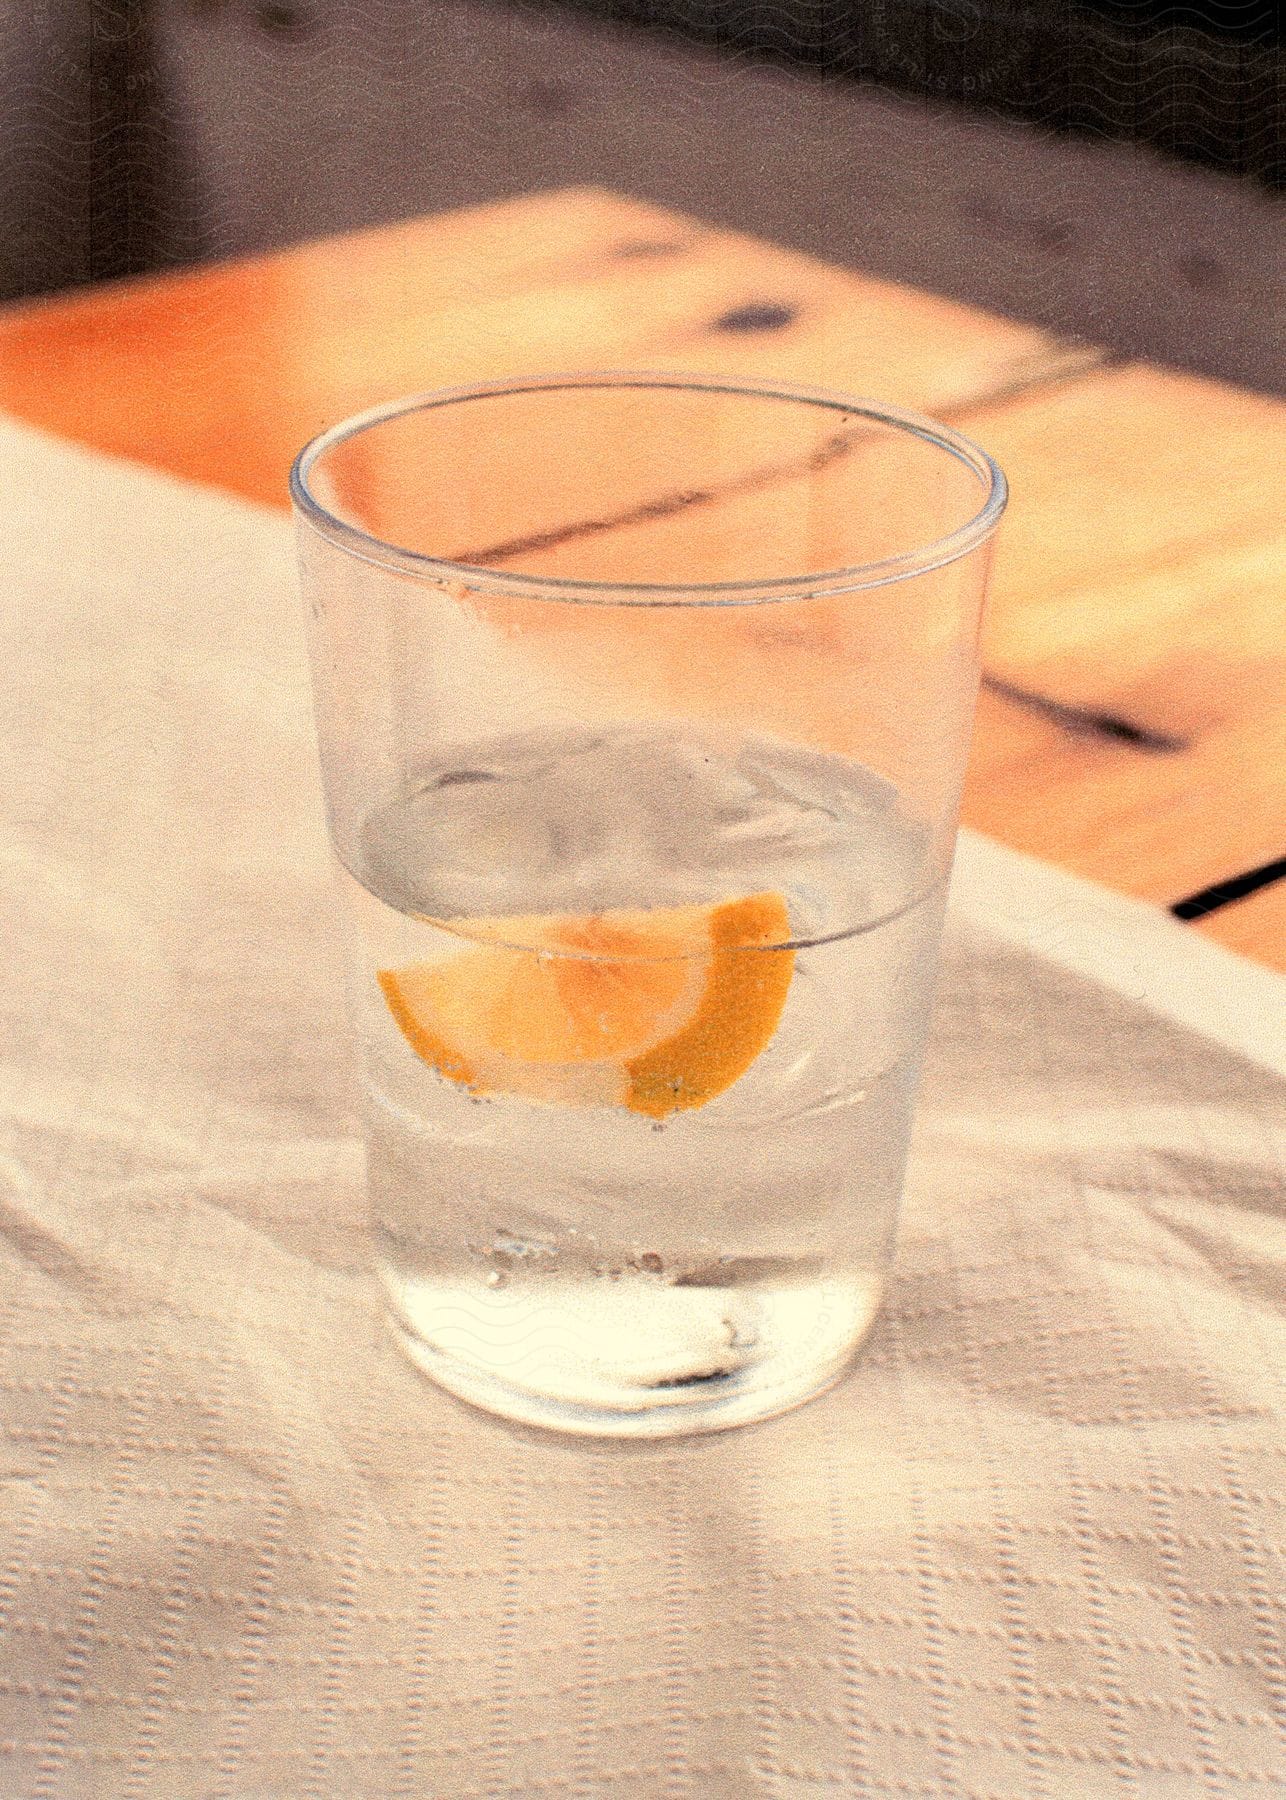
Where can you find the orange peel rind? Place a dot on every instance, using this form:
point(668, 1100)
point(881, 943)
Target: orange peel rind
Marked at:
point(658, 1010)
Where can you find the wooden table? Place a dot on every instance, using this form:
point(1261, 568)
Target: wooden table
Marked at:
point(1132, 725)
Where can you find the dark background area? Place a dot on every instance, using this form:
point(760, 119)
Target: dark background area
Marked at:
point(1108, 168)
point(1202, 81)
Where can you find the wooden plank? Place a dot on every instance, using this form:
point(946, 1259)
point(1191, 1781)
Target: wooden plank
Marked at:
point(1254, 927)
point(1136, 722)
point(220, 374)
point(1138, 582)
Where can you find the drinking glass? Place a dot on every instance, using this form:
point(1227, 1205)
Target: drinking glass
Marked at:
point(643, 703)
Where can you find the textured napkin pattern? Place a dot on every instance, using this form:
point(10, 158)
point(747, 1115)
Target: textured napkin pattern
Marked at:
point(1031, 1548)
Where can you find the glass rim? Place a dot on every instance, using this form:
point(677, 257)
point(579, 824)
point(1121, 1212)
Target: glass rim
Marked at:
point(447, 572)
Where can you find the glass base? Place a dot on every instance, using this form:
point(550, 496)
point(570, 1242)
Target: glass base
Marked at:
point(636, 1361)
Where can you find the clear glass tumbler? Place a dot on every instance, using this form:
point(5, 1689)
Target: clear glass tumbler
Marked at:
point(643, 704)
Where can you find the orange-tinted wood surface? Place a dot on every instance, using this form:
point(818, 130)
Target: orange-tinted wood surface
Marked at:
point(1134, 723)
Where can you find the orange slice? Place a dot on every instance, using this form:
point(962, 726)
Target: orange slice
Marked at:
point(655, 1010)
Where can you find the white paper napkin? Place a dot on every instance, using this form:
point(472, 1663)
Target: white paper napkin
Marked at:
point(1031, 1548)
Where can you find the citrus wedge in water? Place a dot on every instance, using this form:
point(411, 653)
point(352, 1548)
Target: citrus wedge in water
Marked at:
point(656, 1010)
